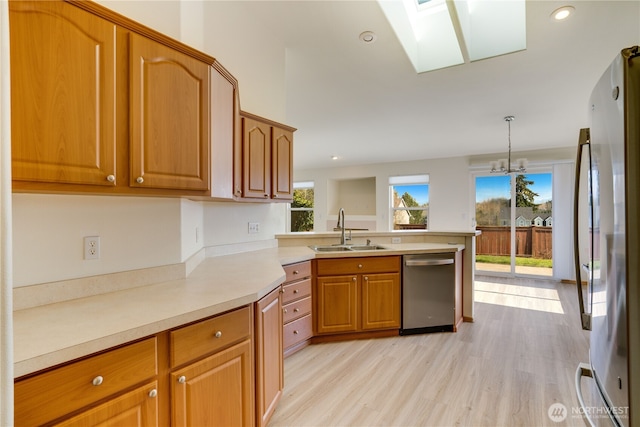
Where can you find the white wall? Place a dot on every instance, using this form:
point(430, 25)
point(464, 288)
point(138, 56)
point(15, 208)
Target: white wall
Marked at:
point(228, 223)
point(134, 233)
point(243, 44)
point(449, 191)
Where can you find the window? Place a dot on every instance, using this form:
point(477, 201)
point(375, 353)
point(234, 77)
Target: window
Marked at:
point(409, 200)
point(302, 207)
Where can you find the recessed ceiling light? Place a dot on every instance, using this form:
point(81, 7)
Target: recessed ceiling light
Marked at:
point(368, 37)
point(334, 157)
point(562, 13)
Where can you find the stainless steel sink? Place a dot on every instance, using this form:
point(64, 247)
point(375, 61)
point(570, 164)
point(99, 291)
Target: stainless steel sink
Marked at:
point(330, 248)
point(366, 247)
point(344, 248)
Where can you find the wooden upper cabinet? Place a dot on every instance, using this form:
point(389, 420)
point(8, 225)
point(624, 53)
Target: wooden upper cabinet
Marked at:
point(256, 155)
point(282, 164)
point(103, 103)
point(267, 159)
point(63, 86)
point(226, 135)
point(169, 117)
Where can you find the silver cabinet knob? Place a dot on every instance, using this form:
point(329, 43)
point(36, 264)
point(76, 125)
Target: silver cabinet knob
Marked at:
point(275, 196)
point(111, 178)
point(182, 379)
point(366, 278)
point(295, 310)
point(97, 380)
point(139, 180)
point(359, 265)
point(285, 311)
point(153, 393)
point(295, 291)
point(218, 334)
point(295, 332)
point(296, 272)
point(354, 279)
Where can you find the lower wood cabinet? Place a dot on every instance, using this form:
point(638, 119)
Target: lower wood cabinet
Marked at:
point(104, 387)
point(297, 307)
point(135, 408)
point(212, 381)
point(357, 295)
point(200, 374)
point(269, 355)
point(215, 391)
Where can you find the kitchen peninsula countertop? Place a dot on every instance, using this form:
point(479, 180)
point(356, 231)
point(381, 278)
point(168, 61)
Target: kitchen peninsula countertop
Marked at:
point(47, 335)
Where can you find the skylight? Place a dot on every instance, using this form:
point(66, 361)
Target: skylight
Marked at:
point(437, 34)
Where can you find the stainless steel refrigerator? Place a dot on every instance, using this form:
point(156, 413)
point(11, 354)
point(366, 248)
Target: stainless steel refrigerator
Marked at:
point(607, 241)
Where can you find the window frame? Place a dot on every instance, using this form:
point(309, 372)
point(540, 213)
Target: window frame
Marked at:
point(408, 180)
point(301, 185)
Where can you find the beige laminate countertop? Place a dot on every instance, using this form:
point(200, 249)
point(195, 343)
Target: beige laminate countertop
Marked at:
point(51, 334)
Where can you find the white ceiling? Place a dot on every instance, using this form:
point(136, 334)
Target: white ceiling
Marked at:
point(366, 104)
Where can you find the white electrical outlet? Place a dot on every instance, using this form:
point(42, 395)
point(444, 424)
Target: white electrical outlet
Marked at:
point(254, 227)
point(396, 240)
point(92, 247)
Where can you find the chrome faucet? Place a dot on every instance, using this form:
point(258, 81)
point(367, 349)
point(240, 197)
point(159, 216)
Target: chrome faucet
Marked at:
point(340, 226)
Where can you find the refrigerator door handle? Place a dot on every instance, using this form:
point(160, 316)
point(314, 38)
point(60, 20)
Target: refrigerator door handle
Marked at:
point(585, 318)
point(583, 370)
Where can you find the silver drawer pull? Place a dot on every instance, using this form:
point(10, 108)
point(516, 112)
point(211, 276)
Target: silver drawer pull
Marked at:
point(295, 332)
point(296, 272)
point(285, 311)
point(182, 379)
point(153, 393)
point(97, 380)
point(295, 310)
point(295, 291)
point(218, 334)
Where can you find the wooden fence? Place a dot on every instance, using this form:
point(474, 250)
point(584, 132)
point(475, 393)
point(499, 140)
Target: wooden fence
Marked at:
point(534, 242)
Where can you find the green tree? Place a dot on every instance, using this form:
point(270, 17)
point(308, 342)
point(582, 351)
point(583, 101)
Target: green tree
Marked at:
point(488, 211)
point(302, 220)
point(415, 216)
point(524, 195)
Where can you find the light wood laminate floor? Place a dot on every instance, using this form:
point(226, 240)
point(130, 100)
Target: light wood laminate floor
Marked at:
point(505, 369)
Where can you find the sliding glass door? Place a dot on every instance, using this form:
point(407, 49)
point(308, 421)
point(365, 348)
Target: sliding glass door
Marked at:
point(514, 213)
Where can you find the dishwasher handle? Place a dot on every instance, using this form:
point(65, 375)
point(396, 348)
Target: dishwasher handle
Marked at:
point(428, 262)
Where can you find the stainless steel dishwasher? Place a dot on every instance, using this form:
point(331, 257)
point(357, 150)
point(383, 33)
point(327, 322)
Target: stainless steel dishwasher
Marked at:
point(428, 293)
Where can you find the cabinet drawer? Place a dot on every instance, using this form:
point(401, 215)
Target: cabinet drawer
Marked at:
point(297, 271)
point(202, 338)
point(296, 309)
point(296, 290)
point(55, 393)
point(374, 264)
point(297, 331)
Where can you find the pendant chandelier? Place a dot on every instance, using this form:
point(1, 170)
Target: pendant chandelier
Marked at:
point(504, 165)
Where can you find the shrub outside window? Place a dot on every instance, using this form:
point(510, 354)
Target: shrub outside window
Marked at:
point(301, 217)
